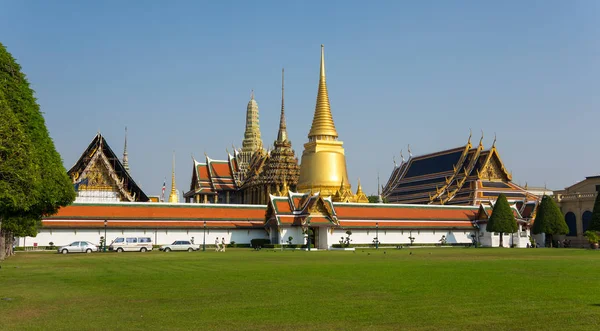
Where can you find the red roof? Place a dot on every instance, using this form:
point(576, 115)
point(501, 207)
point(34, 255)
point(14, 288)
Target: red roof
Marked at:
point(157, 215)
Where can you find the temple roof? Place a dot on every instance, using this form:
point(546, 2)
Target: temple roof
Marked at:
point(464, 175)
point(99, 156)
point(298, 208)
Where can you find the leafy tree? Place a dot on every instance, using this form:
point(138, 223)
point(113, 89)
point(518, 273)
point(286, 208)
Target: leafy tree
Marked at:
point(17, 180)
point(595, 223)
point(502, 219)
point(549, 219)
point(50, 188)
point(375, 199)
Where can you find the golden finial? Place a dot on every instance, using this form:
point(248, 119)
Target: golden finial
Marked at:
point(252, 95)
point(481, 140)
point(494, 143)
point(322, 124)
point(470, 134)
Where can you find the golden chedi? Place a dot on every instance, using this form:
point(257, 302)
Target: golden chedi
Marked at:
point(323, 165)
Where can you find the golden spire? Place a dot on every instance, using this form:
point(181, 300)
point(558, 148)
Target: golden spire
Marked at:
point(359, 188)
point(322, 124)
point(173, 197)
point(282, 134)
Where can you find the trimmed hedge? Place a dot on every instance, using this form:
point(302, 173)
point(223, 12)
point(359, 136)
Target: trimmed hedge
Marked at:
point(286, 246)
point(259, 242)
point(396, 245)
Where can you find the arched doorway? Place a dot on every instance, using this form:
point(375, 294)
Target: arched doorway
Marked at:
point(571, 221)
point(586, 218)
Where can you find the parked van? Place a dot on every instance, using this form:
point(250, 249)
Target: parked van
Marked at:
point(131, 244)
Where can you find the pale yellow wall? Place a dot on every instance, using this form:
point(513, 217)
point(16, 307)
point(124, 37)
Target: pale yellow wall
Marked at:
point(578, 198)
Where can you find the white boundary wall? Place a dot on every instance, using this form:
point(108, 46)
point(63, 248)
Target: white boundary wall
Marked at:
point(62, 237)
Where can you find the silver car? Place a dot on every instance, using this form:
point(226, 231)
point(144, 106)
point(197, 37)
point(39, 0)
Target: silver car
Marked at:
point(78, 247)
point(180, 245)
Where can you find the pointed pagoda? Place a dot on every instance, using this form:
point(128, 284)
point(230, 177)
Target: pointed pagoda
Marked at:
point(323, 165)
point(252, 142)
point(99, 176)
point(278, 171)
point(173, 196)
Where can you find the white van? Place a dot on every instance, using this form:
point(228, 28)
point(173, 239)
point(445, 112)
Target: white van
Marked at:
point(131, 244)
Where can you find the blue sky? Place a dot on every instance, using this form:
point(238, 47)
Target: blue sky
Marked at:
point(178, 74)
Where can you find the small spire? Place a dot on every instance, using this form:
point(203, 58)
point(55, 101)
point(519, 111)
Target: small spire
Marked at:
point(401, 156)
point(125, 157)
point(494, 143)
point(359, 188)
point(379, 192)
point(409, 152)
point(173, 197)
point(394, 159)
point(252, 95)
point(282, 134)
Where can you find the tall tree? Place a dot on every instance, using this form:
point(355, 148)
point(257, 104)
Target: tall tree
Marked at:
point(52, 186)
point(17, 180)
point(502, 219)
point(595, 223)
point(549, 219)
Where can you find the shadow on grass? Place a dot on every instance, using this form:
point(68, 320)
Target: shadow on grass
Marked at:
point(595, 305)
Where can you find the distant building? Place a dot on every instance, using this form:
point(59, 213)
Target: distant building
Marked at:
point(577, 203)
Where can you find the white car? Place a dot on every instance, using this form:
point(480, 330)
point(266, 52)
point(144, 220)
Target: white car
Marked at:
point(180, 245)
point(78, 247)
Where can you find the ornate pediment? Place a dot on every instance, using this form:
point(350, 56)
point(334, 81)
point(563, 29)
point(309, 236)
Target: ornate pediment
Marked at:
point(493, 170)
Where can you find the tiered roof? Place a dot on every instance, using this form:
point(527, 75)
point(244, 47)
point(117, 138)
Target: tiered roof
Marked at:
point(213, 176)
point(464, 175)
point(98, 168)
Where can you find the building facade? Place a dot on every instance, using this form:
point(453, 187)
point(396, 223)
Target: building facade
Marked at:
point(577, 204)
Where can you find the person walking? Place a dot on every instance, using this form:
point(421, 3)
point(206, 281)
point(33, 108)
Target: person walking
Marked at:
point(223, 245)
point(217, 246)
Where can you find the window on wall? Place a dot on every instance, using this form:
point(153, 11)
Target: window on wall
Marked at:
point(585, 220)
point(571, 221)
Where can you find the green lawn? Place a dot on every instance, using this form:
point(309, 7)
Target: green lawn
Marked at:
point(437, 288)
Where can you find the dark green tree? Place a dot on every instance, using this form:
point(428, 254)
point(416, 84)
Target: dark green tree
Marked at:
point(502, 219)
point(375, 199)
point(17, 180)
point(549, 219)
point(52, 186)
point(595, 223)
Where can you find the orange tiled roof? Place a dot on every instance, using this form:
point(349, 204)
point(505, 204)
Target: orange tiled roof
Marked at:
point(153, 215)
point(404, 212)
